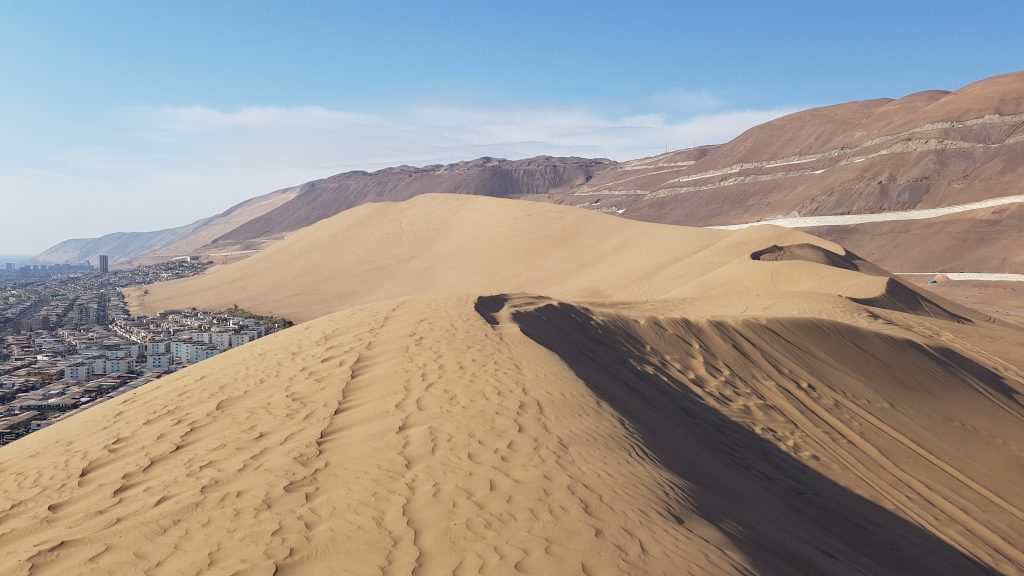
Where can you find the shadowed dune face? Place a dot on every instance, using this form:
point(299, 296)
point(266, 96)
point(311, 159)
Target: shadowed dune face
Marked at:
point(808, 253)
point(695, 392)
point(897, 295)
point(900, 296)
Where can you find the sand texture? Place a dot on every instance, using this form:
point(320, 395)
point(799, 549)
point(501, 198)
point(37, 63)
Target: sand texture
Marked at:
point(484, 386)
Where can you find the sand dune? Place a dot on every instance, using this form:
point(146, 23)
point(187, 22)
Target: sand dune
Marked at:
point(503, 387)
point(489, 245)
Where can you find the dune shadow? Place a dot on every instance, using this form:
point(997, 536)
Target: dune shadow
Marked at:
point(783, 515)
point(897, 295)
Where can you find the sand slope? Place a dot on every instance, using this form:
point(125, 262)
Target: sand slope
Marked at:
point(641, 399)
point(449, 244)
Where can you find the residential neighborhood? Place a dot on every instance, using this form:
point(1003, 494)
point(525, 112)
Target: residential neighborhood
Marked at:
point(69, 342)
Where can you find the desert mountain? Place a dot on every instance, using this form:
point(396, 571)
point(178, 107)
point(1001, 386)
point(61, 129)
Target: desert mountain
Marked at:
point(925, 183)
point(953, 159)
point(484, 176)
point(253, 224)
point(198, 238)
point(120, 246)
point(491, 386)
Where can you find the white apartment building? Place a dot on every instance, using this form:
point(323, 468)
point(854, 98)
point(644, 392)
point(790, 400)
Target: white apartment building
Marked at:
point(158, 361)
point(156, 348)
point(111, 365)
point(220, 340)
point(198, 353)
point(81, 371)
point(115, 365)
point(179, 349)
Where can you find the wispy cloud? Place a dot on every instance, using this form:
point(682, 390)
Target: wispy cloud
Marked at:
point(311, 137)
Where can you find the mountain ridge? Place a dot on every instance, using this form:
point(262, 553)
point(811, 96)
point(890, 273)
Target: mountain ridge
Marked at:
point(924, 152)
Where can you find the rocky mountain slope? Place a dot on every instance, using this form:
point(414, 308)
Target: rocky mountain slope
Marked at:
point(927, 150)
point(898, 158)
point(468, 396)
point(196, 240)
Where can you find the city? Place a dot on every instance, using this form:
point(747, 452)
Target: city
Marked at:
point(70, 343)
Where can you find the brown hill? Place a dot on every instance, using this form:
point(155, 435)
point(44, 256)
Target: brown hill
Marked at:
point(692, 401)
point(134, 248)
point(926, 150)
point(197, 240)
point(932, 149)
point(321, 199)
point(252, 225)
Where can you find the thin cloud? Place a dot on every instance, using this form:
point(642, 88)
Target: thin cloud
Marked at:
point(314, 136)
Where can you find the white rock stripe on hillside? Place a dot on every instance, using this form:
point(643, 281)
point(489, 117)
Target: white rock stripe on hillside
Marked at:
point(848, 219)
point(986, 276)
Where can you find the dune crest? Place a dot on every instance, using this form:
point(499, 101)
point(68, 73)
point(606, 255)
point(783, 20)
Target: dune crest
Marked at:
point(444, 244)
point(485, 386)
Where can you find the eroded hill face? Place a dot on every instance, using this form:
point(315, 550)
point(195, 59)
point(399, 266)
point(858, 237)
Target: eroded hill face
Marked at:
point(926, 150)
point(648, 400)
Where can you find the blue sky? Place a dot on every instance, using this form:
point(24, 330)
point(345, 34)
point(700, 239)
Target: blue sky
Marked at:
point(143, 115)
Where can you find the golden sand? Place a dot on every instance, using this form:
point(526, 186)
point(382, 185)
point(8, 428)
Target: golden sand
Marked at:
point(488, 386)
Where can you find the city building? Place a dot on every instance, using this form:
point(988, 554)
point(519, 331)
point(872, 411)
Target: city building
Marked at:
point(104, 264)
point(158, 361)
point(81, 372)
